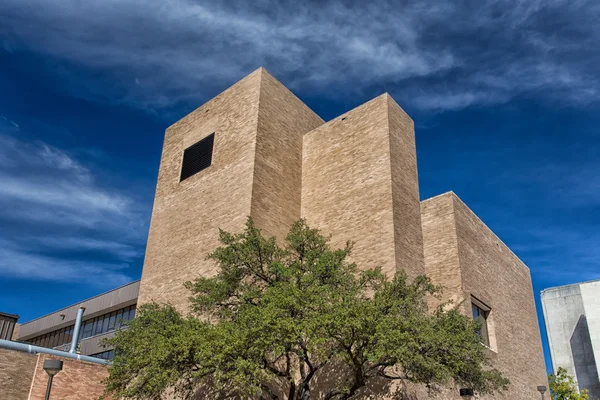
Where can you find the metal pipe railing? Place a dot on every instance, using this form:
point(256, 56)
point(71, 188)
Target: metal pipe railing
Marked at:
point(28, 348)
point(76, 329)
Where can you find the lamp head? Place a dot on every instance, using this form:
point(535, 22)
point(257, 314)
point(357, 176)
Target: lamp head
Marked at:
point(53, 367)
point(541, 389)
point(466, 393)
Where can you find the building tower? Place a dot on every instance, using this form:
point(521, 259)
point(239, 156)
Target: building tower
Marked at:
point(238, 155)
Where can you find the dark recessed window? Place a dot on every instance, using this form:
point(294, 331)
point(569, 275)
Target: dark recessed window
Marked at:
point(197, 157)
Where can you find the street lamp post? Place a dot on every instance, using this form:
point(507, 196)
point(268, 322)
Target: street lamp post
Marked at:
point(52, 367)
point(542, 390)
point(466, 393)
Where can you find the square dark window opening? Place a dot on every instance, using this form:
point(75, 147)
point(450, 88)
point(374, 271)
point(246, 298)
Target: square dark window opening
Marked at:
point(197, 157)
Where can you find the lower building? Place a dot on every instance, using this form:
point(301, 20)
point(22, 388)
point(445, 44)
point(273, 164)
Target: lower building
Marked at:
point(572, 316)
point(103, 315)
point(8, 323)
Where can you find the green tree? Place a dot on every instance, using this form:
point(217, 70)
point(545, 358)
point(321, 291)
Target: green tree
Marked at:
point(274, 317)
point(563, 387)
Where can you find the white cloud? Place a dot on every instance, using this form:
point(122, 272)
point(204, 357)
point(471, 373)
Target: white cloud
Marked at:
point(560, 254)
point(7, 123)
point(25, 264)
point(435, 55)
point(60, 223)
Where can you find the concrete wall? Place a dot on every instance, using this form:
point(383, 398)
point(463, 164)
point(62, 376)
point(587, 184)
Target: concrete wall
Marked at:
point(16, 373)
point(562, 309)
point(359, 183)
point(590, 295)
point(460, 248)
point(571, 314)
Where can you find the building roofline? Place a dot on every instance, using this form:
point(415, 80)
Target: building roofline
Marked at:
point(569, 284)
point(3, 314)
point(455, 197)
point(448, 193)
point(79, 302)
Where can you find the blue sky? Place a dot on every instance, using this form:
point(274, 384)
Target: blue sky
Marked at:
point(504, 94)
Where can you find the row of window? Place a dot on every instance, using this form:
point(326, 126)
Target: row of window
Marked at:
point(105, 355)
point(92, 327)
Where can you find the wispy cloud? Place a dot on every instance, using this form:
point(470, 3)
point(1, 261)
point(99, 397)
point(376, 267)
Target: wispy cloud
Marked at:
point(561, 244)
point(7, 123)
point(432, 55)
point(549, 214)
point(560, 254)
point(23, 263)
point(571, 185)
point(59, 222)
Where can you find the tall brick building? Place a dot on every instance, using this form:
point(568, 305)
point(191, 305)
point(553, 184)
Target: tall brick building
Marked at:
point(257, 150)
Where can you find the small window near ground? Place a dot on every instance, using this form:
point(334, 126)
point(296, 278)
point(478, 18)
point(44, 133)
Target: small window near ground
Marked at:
point(197, 157)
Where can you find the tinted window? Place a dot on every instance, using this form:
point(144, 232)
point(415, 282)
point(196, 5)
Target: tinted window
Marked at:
point(111, 323)
point(480, 315)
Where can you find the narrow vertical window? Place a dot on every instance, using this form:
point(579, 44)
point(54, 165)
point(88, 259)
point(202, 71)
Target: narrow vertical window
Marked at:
point(113, 319)
point(197, 157)
point(480, 314)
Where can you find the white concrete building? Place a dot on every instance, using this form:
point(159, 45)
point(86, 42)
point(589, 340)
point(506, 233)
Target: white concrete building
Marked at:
point(572, 316)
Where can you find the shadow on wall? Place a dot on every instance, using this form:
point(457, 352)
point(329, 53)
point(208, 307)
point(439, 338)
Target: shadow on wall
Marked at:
point(377, 388)
point(583, 358)
point(336, 376)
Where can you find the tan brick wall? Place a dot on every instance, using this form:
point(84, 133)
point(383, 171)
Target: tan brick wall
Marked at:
point(408, 234)
point(354, 177)
point(282, 122)
point(348, 189)
point(255, 171)
point(77, 381)
point(460, 247)
point(440, 247)
point(16, 373)
point(186, 215)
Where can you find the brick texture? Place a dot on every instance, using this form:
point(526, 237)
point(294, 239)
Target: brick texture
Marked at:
point(186, 215)
point(16, 372)
point(77, 381)
point(465, 256)
point(408, 237)
point(255, 171)
point(359, 183)
point(282, 122)
point(354, 177)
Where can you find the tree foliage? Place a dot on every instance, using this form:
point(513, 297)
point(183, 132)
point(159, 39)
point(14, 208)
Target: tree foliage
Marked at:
point(563, 387)
point(274, 317)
